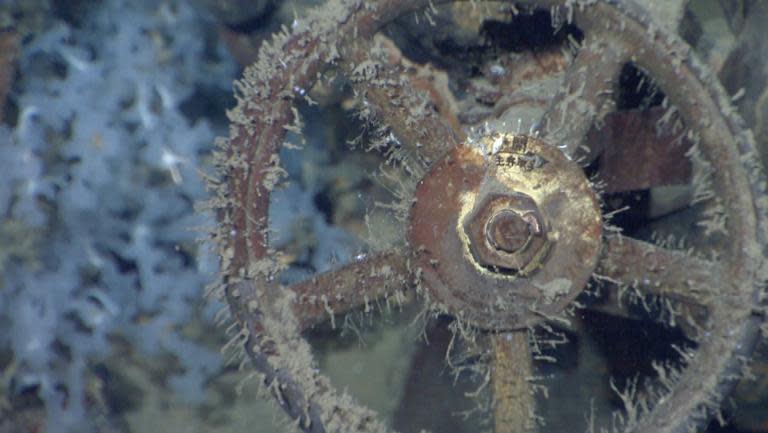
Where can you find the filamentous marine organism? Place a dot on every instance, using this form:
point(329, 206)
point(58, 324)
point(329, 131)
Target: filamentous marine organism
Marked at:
point(504, 229)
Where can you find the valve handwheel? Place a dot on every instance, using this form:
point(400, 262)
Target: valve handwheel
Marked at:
point(505, 229)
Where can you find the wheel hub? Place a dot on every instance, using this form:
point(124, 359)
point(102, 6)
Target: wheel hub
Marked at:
point(506, 231)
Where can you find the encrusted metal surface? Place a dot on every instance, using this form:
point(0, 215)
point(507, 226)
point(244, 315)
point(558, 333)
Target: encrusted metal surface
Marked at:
point(514, 292)
point(642, 150)
point(464, 191)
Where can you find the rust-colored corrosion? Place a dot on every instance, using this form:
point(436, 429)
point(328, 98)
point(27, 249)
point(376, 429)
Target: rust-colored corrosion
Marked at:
point(586, 94)
point(512, 369)
point(640, 152)
point(9, 44)
point(458, 182)
point(360, 283)
point(506, 232)
point(660, 271)
point(455, 201)
point(401, 101)
point(509, 232)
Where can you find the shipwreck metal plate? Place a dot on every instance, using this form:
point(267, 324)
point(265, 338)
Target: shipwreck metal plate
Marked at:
point(504, 164)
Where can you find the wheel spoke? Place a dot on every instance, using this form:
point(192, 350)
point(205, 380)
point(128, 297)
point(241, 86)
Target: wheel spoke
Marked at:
point(511, 371)
point(659, 271)
point(687, 317)
point(358, 284)
point(418, 115)
point(639, 154)
point(584, 96)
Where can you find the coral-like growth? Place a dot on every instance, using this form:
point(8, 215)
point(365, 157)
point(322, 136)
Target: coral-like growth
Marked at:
point(103, 165)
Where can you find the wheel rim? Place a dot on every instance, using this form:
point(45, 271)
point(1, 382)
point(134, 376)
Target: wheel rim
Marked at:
point(249, 167)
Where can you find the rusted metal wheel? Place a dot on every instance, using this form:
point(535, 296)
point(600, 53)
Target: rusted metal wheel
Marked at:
point(505, 230)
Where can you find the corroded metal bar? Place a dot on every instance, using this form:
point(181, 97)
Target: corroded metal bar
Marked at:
point(421, 124)
point(585, 95)
point(660, 271)
point(358, 284)
point(511, 370)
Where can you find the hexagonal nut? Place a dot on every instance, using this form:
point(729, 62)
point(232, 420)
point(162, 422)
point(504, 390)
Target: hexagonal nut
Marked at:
point(489, 254)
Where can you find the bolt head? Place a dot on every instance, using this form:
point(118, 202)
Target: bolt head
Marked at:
point(507, 231)
point(507, 234)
